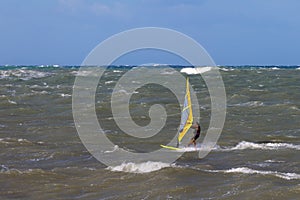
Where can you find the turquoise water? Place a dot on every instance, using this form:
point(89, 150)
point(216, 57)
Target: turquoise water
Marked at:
point(257, 155)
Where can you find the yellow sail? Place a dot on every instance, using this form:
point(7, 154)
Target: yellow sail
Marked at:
point(186, 114)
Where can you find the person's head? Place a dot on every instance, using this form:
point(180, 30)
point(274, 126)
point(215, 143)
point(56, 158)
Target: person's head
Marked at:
point(195, 125)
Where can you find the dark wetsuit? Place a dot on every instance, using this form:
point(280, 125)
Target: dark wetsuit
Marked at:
point(197, 134)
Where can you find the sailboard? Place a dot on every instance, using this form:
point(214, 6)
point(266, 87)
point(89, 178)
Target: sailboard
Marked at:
point(186, 118)
point(170, 147)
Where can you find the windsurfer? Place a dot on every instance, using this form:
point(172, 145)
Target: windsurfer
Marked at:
point(197, 128)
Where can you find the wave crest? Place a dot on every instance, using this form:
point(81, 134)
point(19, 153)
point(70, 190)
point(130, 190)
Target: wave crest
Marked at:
point(266, 146)
point(144, 167)
point(246, 170)
point(190, 71)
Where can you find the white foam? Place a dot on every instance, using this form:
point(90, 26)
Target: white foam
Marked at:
point(29, 74)
point(226, 69)
point(294, 108)
point(158, 65)
point(197, 148)
point(154, 64)
point(144, 167)
point(108, 82)
point(65, 95)
point(168, 72)
point(38, 92)
point(266, 146)
point(257, 90)
point(116, 147)
point(12, 102)
point(199, 70)
point(4, 168)
point(275, 68)
point(246, 170)
point(23, 74)
point(251, 103)
point(4, 74)
point(122, 92)
point(9, 140)
point(189, 149)
point(86, 73)
point(274, 161)
point(22, 140)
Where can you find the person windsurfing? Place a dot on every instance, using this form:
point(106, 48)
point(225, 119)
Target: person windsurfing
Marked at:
point(197, 128)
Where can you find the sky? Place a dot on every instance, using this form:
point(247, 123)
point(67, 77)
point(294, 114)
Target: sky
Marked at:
point(233, 32)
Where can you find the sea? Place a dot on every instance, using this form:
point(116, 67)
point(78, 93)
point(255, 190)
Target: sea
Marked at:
point(257, 156)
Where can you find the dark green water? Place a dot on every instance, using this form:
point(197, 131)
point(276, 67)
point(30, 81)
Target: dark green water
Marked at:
point(257, 155)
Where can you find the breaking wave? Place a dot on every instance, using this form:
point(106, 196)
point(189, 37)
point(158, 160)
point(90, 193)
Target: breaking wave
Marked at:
point(23, 74)
point(199, 70)
point(246, 170)
point(144, 167)
point(265, 145)
point(20, 141)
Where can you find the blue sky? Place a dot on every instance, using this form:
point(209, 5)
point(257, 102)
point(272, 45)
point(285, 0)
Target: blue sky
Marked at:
point(234, 32)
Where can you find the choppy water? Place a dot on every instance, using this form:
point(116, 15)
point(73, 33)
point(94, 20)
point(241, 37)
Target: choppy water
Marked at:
point(257, 156)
